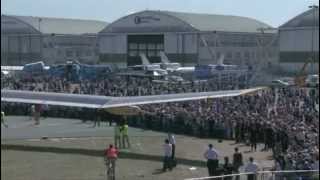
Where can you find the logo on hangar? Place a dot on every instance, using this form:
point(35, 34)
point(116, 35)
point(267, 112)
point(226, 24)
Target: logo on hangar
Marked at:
point(145, 19)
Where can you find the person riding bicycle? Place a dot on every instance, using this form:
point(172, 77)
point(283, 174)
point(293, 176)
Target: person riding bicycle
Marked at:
point(111, 155)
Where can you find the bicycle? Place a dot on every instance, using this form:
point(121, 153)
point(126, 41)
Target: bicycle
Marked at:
point(110, 169)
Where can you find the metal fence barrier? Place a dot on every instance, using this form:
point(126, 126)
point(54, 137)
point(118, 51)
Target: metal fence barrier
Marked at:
point(268, 175)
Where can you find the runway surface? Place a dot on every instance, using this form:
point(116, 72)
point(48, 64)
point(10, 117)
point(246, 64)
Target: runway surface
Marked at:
point(22, 127)
point(66, 154)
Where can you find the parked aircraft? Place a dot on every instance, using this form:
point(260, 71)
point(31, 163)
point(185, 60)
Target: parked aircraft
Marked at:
point(146, 65)
point(173, 66)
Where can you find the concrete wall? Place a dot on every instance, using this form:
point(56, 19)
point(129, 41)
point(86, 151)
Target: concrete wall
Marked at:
point(241, 49)
point(59, 49)
point(21, 43)
point(113, 49)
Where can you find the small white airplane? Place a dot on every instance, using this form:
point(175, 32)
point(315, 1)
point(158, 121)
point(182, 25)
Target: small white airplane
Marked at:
point(115, 105)
point(220, 66)
point(146, 65)
point(173, 67)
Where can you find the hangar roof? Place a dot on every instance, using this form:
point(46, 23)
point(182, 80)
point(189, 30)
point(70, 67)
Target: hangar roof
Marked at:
point(212, 22)
point(303, 20)
point(183, 22)
point(61, 25)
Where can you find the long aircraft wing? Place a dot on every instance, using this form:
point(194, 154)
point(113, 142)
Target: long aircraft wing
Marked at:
point(90, 101)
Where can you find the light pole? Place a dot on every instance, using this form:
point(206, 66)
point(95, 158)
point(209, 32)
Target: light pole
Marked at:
point(314, 8)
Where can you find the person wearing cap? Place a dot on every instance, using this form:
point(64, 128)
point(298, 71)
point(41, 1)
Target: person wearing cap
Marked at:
point(2, 119)
point(251, 167)
point(212, 160)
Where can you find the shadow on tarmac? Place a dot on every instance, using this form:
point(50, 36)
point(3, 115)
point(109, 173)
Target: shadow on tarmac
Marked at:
point(98, 153)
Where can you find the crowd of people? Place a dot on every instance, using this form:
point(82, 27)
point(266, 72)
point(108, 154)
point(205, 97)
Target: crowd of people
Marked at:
point(285, 120)
point(115, 85)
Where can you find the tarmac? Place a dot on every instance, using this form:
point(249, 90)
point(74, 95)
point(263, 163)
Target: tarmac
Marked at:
point(68, 149)
point(22, 127)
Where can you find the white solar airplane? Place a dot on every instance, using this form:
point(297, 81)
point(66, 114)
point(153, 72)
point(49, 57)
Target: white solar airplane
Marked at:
point(115, 105)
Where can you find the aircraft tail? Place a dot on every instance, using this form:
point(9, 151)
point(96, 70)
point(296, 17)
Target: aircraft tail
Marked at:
point(164, 58)
point(220, 60)
point(144, 59)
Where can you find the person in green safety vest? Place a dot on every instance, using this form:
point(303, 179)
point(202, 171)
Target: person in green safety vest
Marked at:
point(2, 119)
point(117, 136)
point(125, 136)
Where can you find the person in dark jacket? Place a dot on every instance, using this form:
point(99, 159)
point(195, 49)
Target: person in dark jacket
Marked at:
point(237, 162)
point(227, 168)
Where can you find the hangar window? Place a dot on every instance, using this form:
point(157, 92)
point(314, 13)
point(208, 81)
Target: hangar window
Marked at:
point(142, 46)
point(150, 45)
point(133, 53)
point(143, 51)
point(133, 46)
point(160, 47)
point(152, 53)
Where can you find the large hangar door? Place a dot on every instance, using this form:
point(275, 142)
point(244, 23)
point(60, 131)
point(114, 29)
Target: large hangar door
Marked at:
point(150, 45)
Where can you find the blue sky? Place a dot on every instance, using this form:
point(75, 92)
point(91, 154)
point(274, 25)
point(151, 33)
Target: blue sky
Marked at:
point(273, 12)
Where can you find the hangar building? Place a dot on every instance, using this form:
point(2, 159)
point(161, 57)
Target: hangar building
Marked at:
point(26, 39)
point(183, 37)
point(299, 42)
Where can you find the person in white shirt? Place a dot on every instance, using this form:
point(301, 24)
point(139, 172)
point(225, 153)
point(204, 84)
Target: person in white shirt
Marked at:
point(251, 167)
point(212, 160)
point(172, 141)
point(167, 156)
point(33, 111)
